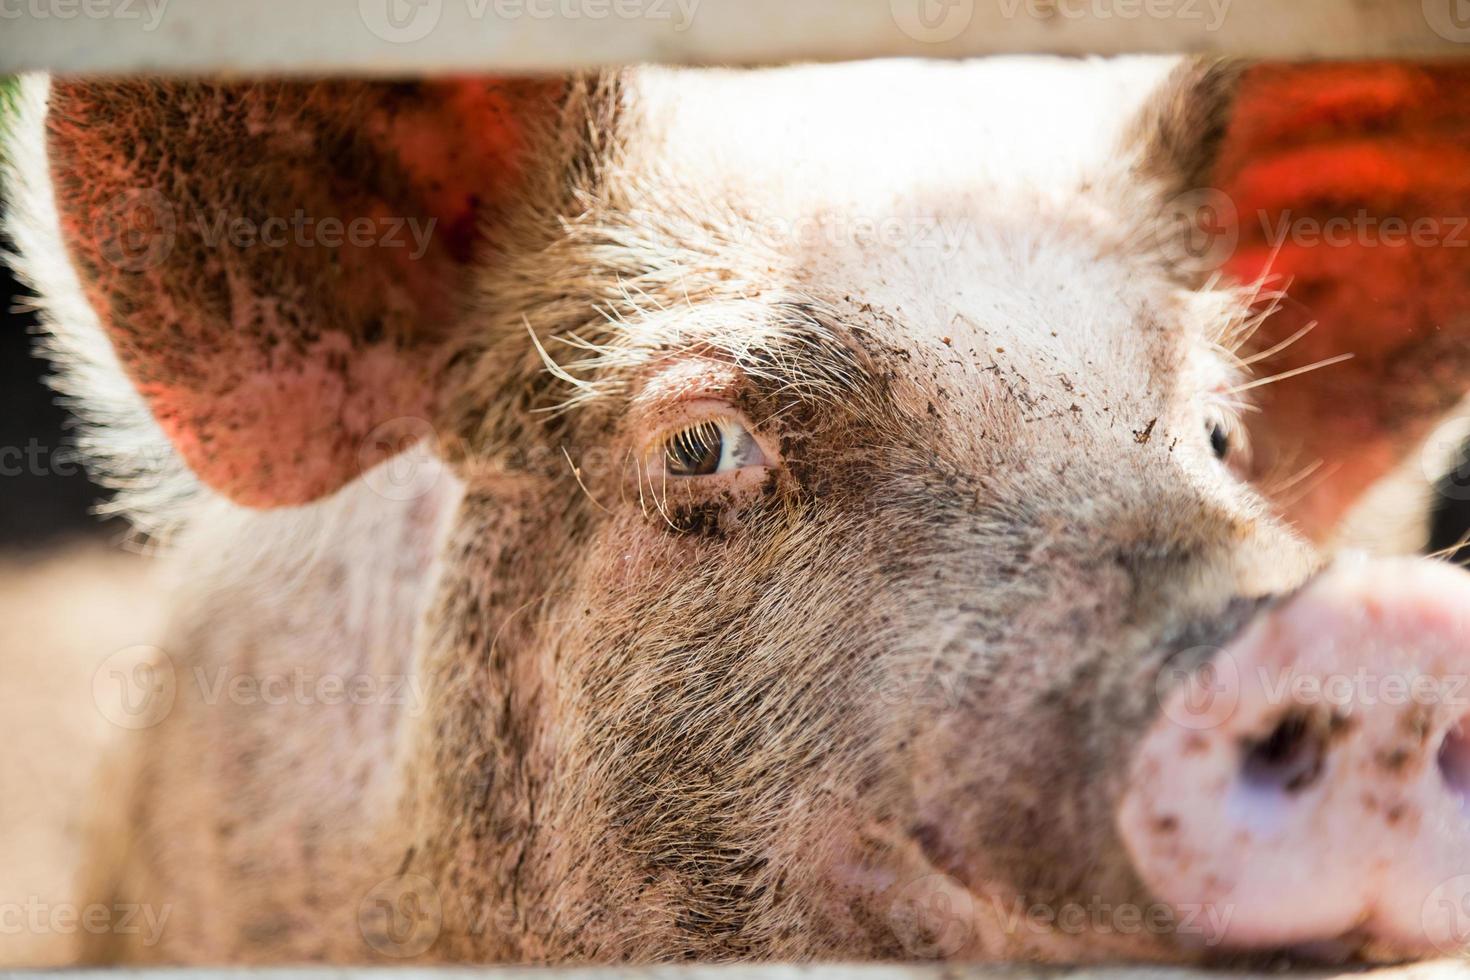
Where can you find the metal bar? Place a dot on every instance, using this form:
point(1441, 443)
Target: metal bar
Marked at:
point(396, 37)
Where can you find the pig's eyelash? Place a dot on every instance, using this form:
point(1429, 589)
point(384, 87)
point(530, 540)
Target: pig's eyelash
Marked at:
point(712, 446)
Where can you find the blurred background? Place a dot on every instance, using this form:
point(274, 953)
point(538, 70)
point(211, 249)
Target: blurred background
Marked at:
point(73, 595)
point(45, 496)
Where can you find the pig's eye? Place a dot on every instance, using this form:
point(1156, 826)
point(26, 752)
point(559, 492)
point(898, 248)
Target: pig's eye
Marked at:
point(1227, 437)
point(718, 445)
point(1220, 440)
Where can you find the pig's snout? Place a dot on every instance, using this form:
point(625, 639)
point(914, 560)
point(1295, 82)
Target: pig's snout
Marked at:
point(1309, 786)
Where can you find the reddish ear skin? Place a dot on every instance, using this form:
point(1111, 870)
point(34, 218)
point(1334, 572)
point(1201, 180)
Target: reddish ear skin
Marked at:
point(270, 365)
point(1387, 141)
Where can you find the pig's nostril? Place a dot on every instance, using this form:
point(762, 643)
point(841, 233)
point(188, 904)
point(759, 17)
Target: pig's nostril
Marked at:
point(1291, 757)
point(1454, 761)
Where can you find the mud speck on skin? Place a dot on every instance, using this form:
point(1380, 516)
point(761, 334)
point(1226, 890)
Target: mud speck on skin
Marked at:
point(1416, 723)
point(1394, 760)
point(1339, 726)
point(705, 520)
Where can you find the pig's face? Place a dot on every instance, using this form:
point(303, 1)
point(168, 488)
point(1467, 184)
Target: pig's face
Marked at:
point(879, 535)
point(814, 598)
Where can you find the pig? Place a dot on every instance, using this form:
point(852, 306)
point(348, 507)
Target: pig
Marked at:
point(877, 511)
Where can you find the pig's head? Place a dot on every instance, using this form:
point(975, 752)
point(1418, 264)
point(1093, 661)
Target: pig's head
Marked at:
point(857, 483)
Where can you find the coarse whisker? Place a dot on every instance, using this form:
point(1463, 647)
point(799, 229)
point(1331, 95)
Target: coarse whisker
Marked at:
point(610, 314)
point(627, 291)
point(577, 474)
point(1240, 332)
point(1298, 477)
point(642, 501)
point(1450, 552)
point(660, 502)
point(1270, 264)
point(1317, 475)
point(776, 415)
point(553, 368)
point(1271, 352)
point(577, 341)
point(1284, 375)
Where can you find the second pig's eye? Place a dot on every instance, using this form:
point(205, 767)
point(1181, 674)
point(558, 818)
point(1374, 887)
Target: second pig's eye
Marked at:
point(1227, 437)
point(710, 447)
point(1220, 440)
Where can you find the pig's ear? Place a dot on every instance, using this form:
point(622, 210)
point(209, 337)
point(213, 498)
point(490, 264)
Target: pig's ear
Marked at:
point(1351, 188)
point(281, 267)
point(1180, 129)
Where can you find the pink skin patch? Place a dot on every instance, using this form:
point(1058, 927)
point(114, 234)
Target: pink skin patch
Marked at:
point(1310, 783)
point(282, 437)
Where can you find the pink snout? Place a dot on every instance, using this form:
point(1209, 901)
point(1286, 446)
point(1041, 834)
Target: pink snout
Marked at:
point(1309, 787)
